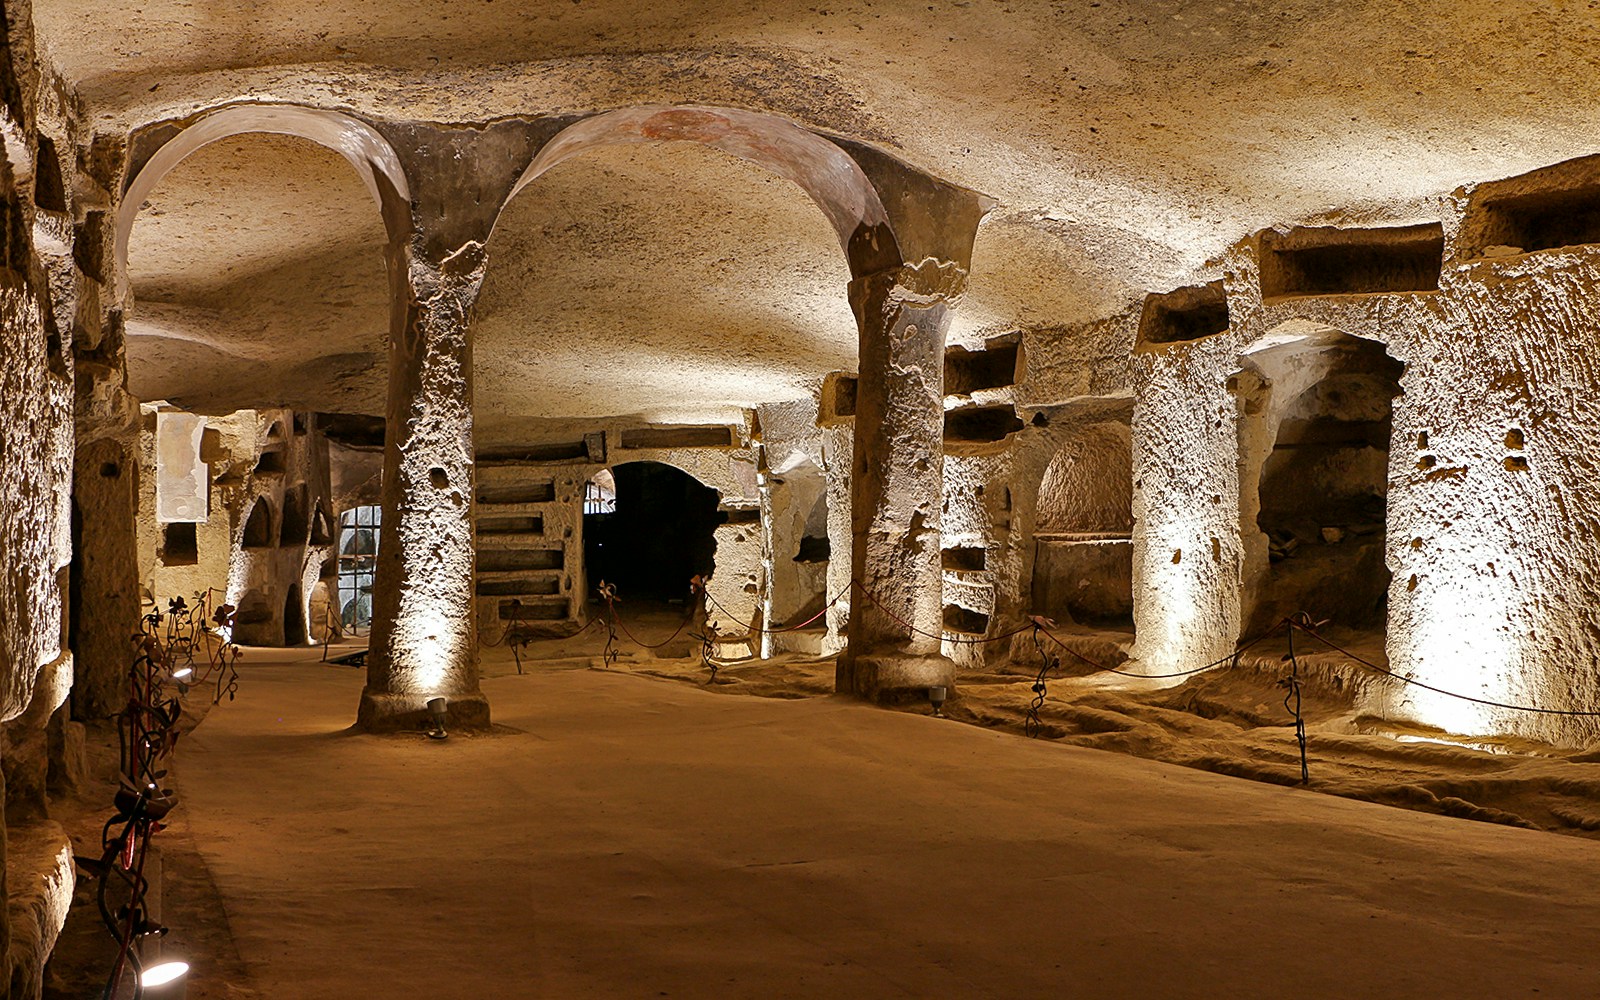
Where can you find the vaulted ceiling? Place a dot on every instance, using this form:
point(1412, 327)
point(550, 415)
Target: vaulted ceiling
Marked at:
point(1127, 143)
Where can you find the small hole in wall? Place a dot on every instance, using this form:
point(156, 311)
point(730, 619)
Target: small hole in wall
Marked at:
point(1177, 556)
point(1412, 583)
point(1416, 543)
point(110, 470)
point(438, 478)
point(1422, 441)
point(1040, 420)
point(1427, 462)
point(1516, 463)
point(1516, 439)
point(1216, 549)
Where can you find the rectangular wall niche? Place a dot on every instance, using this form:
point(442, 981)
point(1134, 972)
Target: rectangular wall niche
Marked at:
point(536, 586)
point(183, 480)
point(678, 437)
point(517, 493)
point(964, 620)
point(1325, 260)
point(994, 367)
point(518, 560)
point(558, 451)
point(963, 558)
point(838, 403)
point(531, 524)
point(540, 611)
point(1540, 220)
point(981, 424)
point(179, 544)
point(1183, 314)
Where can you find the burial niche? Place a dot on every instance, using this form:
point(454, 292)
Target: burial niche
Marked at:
point(1083, 547)
point(258, 526)
point(657, 534)
point(1323, 485)
point(294, 618)
point(295, 526)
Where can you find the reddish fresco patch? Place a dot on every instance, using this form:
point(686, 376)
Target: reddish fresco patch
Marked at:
point(686, 124)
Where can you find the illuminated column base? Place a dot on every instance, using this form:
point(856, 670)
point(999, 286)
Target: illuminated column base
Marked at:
point(424, 631)
point(390, 711)
point(897, 483)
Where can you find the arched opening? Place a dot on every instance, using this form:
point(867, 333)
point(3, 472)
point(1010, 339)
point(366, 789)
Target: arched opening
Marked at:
point(659, 534)
point(1315, 464)
point(295, 528)
point(294, 618)
point(358, 562)
point(258, 526)
point(1083, 547)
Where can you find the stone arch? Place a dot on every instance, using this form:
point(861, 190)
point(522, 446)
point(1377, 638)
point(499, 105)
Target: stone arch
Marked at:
point(1083, 530)
point(1316, 418)
point(367, 151)
point(827, 174)
point(258, 526)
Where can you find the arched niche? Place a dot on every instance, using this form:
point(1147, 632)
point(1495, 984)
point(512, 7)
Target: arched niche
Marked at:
point(295, 526)
point(1083, 548)
point(294, 617)
point(1316, 417)
point(258, 526)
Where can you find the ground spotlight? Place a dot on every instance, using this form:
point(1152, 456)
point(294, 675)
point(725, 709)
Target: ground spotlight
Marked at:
point(936, 696)
point(438, 712)
point(167, 981)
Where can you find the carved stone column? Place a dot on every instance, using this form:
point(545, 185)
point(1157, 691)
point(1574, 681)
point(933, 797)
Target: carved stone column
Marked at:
point(424, 638)
point(897, 486)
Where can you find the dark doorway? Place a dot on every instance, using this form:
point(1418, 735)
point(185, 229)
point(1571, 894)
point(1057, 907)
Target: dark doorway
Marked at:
point(294, 618)
point(1323, 490)
point(658, 532)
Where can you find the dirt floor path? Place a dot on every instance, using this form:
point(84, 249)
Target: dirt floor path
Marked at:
point(624, 836)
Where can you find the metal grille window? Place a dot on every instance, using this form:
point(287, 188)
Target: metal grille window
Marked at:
point(358, 560)
point(600, 494)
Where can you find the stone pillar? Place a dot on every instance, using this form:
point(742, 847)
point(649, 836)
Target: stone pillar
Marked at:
point(104, 590)
point(897, 486)
point(424, 637)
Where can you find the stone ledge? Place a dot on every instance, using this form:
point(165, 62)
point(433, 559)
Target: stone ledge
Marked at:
point(40, 882)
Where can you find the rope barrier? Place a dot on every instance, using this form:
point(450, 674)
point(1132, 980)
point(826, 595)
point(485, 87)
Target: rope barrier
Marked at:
point(1573, 713)
point(1301, 622)
point(1292, 683)
point(1032, 726)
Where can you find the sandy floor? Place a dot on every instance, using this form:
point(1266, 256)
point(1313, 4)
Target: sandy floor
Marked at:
point(628, 836)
